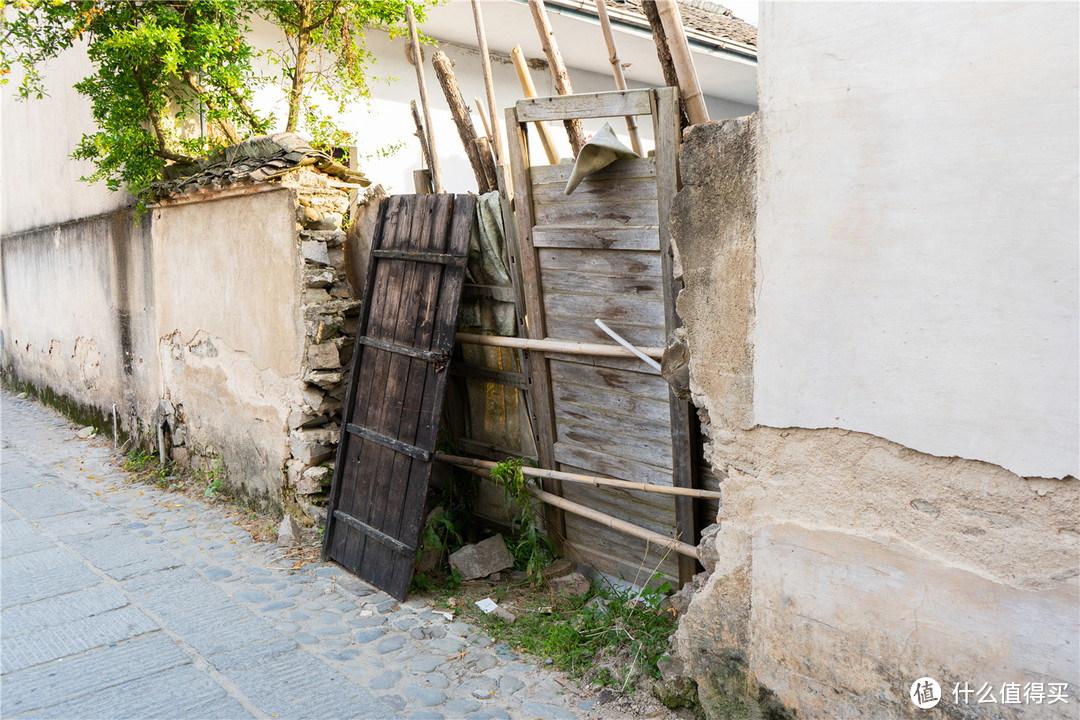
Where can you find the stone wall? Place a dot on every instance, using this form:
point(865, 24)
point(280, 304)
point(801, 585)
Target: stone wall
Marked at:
point(228, 320)
point(843, 566)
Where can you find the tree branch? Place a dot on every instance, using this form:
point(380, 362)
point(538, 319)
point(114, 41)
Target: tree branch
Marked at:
point(226, 127)
point(155, 122)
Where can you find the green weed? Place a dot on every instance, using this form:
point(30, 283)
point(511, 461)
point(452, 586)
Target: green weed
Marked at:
point(531, 549)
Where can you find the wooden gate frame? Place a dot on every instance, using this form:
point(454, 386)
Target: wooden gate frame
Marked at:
point(663, 105)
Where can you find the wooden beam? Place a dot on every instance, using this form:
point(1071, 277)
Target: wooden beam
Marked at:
point(558, 71)
point(529, 91)
point(418, 63)
point(421, 133)
point(617, 71)
point(444, 71)
point(494, 134)
point(692, 96)
point(683, 455)
point(540, 374)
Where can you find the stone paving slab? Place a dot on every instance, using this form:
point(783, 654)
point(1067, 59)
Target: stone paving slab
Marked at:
point(104, 667)
point(157, 605)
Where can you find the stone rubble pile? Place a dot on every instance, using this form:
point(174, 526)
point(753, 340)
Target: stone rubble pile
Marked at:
point(330, 317)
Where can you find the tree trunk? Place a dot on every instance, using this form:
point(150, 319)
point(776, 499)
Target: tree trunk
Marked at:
point(303, 39)
point(558, 70)
point(444, 70)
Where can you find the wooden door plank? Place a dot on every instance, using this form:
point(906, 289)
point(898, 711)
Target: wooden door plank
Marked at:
point(627, 168)
point(613, 308)
point(606, 439)
point(631, 188)
point(585, 105)
point(616, 466)
point(605, 284)
point(597, 213)
point(601, 261)
point(622, 238)
point(579, 329)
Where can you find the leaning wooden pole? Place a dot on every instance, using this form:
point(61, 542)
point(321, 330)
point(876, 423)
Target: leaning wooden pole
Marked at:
point(444, 71)
point(617, 70)
point(494, 134)
point(418, 63)
point(517, 57)
point(692, 97)
point(594, 480)
point(650, 536)
point(558, 70)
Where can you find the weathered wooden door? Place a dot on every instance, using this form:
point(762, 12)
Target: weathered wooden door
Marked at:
point(396, 386)
point(604, 252)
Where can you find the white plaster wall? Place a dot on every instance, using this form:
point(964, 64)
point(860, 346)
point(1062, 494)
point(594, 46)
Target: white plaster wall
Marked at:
point(39, 182)
point(385, 119)
point(917, 227)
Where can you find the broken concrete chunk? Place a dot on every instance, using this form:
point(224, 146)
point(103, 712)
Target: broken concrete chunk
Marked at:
point(336, 258)
point(319, 278)
point(324, 356)
point(288, 532)
point(311, 481)
point(482, 559)
point(85, 432)
point(315, 252)
point(316, 296)
point(328, 221)
point(320, 402)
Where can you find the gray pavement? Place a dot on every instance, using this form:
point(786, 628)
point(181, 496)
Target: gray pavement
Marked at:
point(123, 601)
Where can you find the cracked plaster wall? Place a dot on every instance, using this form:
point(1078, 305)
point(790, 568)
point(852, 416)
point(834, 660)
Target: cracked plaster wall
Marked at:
point(846, 565)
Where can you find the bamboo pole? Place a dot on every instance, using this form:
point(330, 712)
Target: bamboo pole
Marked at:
point(614, 523)
point(444, 71)
point(617, 70)
point(529, 90)
point(557, 346)
point(594, 480)
point(418, 63)
point(494, 134)
point(558, 71)
point(692, 97)
point(663, 54)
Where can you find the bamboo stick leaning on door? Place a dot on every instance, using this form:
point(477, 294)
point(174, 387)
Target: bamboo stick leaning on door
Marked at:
point(529, 90)
point(558, 71)
point(617, 70)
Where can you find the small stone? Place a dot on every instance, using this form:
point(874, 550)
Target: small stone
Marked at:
point(318, 277)
point(426, 697)
point(288, 532)
point(252, 596)
point(316, 296)
point(328, 221)
point(571, 585)
point(461, 706)
point(385, 680)
point(315, 252)
point(484, 662)
point(482, 559)
point(324, 356)
point(85, 432)
point(366, 636)
point(315, 512)
point(508, 684)
point(390, 644)
point(300, 419)
point(311, 481)
point(326, 379)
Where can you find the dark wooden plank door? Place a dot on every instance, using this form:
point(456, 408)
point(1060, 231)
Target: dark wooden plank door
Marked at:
point(396, 386)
